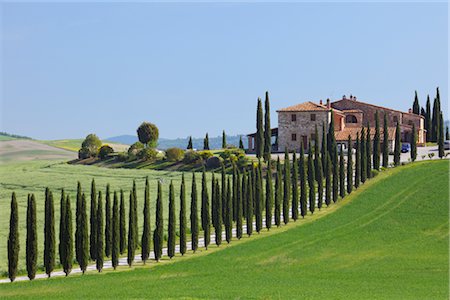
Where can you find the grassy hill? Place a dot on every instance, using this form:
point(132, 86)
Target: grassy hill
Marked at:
point(75, 144)
point(387, 240)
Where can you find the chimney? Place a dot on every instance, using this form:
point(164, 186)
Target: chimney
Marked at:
point(320, 101)
point(328, 103)
point(343, 97)
point(410, 110)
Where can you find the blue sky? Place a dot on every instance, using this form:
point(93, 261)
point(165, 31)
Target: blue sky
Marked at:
point(71, 69)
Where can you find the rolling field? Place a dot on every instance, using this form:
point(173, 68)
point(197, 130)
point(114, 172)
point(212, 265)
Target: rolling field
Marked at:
point(389, 240)
point(75, 145)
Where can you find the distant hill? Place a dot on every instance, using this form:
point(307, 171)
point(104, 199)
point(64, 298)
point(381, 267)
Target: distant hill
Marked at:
point(163, 143)
point(4, 136)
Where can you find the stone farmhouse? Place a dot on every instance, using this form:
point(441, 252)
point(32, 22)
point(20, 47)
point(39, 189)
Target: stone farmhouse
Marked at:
point(297, 123)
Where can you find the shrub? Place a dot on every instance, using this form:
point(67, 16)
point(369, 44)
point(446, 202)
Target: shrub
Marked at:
point(135, 148)
point(374, 172)
point(174, 154)
point(191, 156)
point(104, 151)
point(122, 156)
point(83, 153)
point(205, 154)
point(148, 154)
point(90, 146)
point(423, 156)
point(233, 151)
point(242, 161)
point(213, 162)
point(430, 155)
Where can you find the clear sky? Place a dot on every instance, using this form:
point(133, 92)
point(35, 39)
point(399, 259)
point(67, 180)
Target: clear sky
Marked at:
point(71, 69)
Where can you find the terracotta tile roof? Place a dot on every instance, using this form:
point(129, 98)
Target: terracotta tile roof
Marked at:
point(305, 106)
point(342, 135)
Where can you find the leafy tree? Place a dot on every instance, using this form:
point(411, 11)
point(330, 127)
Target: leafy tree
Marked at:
point(358, 162)
point(31, 245)
point(68, 239)
point(90, 146)
point(84, 236)
point(342, 174)
point(328, 180)
point(131, 236)
point(174, 154)
point(100, 237)
point(385, 143)
point(115, 243)
point(172, 223)
point(146, 231)
point(122, 229)
point(414, 143)
point(416, 106)
point(259, 143)
point(249, 215)
point(13, 240)
point(148, 134)
point(441, 137)
point(302, 170)
point(104, 151)
point(205, 211)
point(278, 191)
point(287, 187)
point(397, 147)
point(350, 166)
point(224, 140)
point(229, 214)
point(267, 130)
point(363, 156)
point(190, 146)
point(206, 142)
point(269, 195)
point(159, 230)
point(49, 233)
point(311, 180)
point(194, 215)
point(241, 144)
point(182, 216)
point(93, 221)
point(295, 196)
point(376, 144)
point(108, 232)
point(368, 153)
point(62, 226)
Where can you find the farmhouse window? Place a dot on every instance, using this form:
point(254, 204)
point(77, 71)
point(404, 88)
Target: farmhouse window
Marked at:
point(395, 119)
point(313, 117)
point(294, 137)
point(293, 117)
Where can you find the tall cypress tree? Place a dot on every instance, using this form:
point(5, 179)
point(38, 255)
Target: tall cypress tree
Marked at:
point(441, 136)
point(190, 146)
point(159, 226)
point(206, 142)
point(68, 239)
point(335, 182)
point(224, 140)
point(115, 241)
point(350, 166)
point(93, 221)
point(31, 245)
point(224, 194)
point(49, 234)
point(435, 121)
point(131, 242)
point(100, 237)
point(146, 233)
point(259, 130)
point(397, 147)
point(278, 191)
point(78, 224)
point(414, 143)
point(385, 143)
point(319, 180)
point(311, 180)
point(234, 194)
point(108, 232)
point(84, 243)
point(241, 143)
point(328, 180)
point(332, 145)
point(416, 106)
point(194, 215)
point(228, 214)
point(213, 201)
point(267, 130)
point(62, 226)
point(363, 155)
point(368, 153)
point(342, 174)
point(244, 194)
point(239, 208)
point(302, 170)
point(376, 144)
point(122, 228)
point(295, 195)
point(218, 213)
point(259, 197)
point(249, 215)
point(358, 162)
point(172, 223)
point(447, 133)
point(135, 216)
point(205, 211)
point(269, 196)
point(183, 216)
point(428, 119)
point(13, 239)
point(287, 187)
point(324, 148)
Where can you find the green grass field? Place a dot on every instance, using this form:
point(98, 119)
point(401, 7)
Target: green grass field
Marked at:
point(389, 240)
point(69, 144)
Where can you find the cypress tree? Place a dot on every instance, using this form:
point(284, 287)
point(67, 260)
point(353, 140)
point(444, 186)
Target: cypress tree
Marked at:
point(363, 155)
point(244, 194)
point(259, 197)
point(295, 196)
point(414, 143)
point(206, 142)
point(368, 153)
point(234, 194)
point(350, 166)
point(319, 180)
point(269, 196)
point(100, 237)
point(324, 148)
point(135, 216)
point(115, 242)
point(213, 200)
point(131, 242)
point(428, 119)
point(49, 234)
point(376, 144)
point(122, 228)
point(397, 145)
point(228, 214)
point(267, 130)
point(254, 169)
point(205, 212)
point(447, 134)
point(146, 233)
point(182, 216)
point(416, 106)
point(287, 187)
point(31, 245)
point(342, 174)
point(190, 146)
point(78, 224)
point(172, 223)
point(108, 232)
point(13, 239)
point(278, 191)
point(259, 143)
point(218, 213)
point(328, 180)
point(194, 215)
point(249, 216)
point(224, 140)
point(241, 144)
point(62, 226)
point(385, 143)
point(441, 136)
point(84, 235)
point(335, 182)
point(311, 181)
point(302, 170)
point(435, 121)
point(357, 162)
point(159, 225)
point(239, 208)
point(224, 194)
point(93, 221)
point(332, 146)
point(68, 238)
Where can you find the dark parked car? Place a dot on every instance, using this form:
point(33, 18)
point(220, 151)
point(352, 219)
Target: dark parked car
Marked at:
point(406, 147)
point(446, 145)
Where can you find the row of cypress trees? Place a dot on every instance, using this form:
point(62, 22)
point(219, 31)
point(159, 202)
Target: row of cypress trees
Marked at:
point(433, 123)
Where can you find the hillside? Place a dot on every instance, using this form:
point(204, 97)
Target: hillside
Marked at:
point(75, 144)
point(387, 240)
point(26, 149)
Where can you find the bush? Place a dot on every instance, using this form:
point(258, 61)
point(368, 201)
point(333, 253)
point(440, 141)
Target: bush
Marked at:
point(90, 146)
point(174, 154)
point(234, 151)
point(205, 154)
point(135, 148)
point(83, 153)
point(374, 173)
point(148, 154)
point(104, 151)
point(122, 156)
point(213, 162)
point(191, 157)
point(242, 161)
